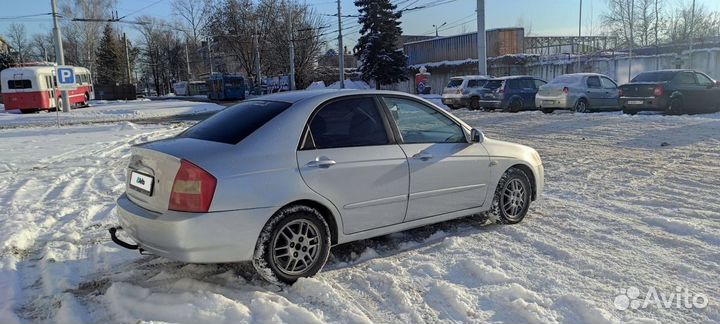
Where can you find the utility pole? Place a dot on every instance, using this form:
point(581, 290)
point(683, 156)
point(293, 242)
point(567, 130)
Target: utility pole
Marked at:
point(187, 60)
point(59, 55)
point(579, 37)
point(211, 56)
point(438, 27)
point(631, 39)
point(482, 55)
point(341, 49)
point(256, 40)
point(657, 48)
point(692, 26)
point(292, 48)
point(127, 59)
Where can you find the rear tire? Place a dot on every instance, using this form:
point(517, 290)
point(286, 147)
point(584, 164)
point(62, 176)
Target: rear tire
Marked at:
point(514, 106)
point(675, 107)
point(582, 106)
point(512, 197)
point(547, 110)
point(295, 243)
point(474, 104)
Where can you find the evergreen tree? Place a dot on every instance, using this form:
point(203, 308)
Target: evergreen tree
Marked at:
point(376, 50)
point(110, 59)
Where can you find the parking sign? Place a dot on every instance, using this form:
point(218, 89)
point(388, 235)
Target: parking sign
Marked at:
point(66, 78)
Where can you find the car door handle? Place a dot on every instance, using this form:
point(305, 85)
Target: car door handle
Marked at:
point(321, 162)
point(424, 156)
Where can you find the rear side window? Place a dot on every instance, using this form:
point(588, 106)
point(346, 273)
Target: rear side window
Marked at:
point(19, 84)
point(476, 83)
point(233, 124)
point(454, 83)
point(593, 82)
point(493, 84)
point(347, 123)
point(685, 78)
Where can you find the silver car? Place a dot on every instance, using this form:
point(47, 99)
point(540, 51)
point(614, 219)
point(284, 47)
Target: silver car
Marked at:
point(580, 92)
point(464, 91)
point(278, 180)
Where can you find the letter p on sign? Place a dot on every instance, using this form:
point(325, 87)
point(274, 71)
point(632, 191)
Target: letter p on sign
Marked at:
point(66, 78)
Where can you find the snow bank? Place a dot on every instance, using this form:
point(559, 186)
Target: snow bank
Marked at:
point(619, 210)
point(106, 111)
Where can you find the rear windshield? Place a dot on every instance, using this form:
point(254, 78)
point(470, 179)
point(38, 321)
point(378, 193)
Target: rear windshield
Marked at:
point(235, 123)
point(657, 76)
point(19, 84)
point(565, 79)
point(454, 83)
point(493, 84)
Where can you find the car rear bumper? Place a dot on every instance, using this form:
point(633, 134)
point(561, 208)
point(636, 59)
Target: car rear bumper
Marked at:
point(454, 100)
point(643, 103)
point(491, 103)
point(561, 102)
point(215, 237)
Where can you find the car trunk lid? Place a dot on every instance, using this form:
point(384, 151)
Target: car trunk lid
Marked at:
point(551, 90)
point(639, 89)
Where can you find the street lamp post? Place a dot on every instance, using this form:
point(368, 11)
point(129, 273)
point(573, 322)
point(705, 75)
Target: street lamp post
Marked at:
point(437, 27)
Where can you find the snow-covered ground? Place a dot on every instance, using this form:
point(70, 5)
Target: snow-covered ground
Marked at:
point(106, 111)
point(631, 201)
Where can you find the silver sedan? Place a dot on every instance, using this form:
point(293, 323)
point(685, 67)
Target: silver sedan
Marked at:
point(580, 92)
point(280, 179)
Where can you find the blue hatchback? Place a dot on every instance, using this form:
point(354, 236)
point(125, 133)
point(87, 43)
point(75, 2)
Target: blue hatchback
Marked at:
point(511, 93)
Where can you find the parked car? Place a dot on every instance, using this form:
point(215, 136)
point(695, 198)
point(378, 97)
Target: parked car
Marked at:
point(464, 91)
point(579, 92)
point(235, 188)
point(671, 91)
point(511, 94)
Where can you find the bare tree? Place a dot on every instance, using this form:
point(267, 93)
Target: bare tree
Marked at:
point(161, 56)
point(621, 15)
point(235, 23)
point(17, 37)
point(41, 47)
point(192, 16)
point(683, 26)
point(81, 38)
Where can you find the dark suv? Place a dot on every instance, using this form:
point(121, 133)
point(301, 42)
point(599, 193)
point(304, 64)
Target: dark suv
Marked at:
point(511, 94)
point(671, 91)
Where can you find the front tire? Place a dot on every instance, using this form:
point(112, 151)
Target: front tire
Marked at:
point(514, 106)
point(512, 197)
point(295, 243)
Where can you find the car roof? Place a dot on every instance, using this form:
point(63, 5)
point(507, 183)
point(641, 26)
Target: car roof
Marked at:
point(484, 77)
point(300, 95)
point(512, 77)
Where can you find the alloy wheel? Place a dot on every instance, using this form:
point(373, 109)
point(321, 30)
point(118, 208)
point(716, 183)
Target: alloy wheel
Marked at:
point(295, 247)
point(513, 199)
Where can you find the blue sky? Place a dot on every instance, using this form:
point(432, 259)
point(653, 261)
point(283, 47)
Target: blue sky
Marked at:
point(546, 17)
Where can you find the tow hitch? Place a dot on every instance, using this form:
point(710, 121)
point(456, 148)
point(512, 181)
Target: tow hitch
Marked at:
point(120, 242)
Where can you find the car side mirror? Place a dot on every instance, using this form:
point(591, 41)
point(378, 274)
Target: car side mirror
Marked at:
point(476, 136)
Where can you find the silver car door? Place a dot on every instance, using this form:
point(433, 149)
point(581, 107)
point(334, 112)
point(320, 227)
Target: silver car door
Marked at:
point(595, 92)
point(350, 157)
point(447, 173)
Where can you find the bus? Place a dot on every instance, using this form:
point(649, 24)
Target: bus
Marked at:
point(33, 87)
point(226, 87)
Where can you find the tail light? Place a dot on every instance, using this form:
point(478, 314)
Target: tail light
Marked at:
point(193, 189)
point(659, 91)
point(566, 90)
point(620, 92)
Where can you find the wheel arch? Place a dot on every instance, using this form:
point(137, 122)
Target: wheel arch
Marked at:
point(529, 173)
point(325, 211)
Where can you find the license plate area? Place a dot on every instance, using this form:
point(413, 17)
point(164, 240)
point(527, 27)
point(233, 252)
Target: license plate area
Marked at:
point(635, 102)
point(548, 102)
point(142, 182)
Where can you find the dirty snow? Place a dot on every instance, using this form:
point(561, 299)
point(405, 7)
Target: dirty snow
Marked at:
point(106, 111)
point(620, 210)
